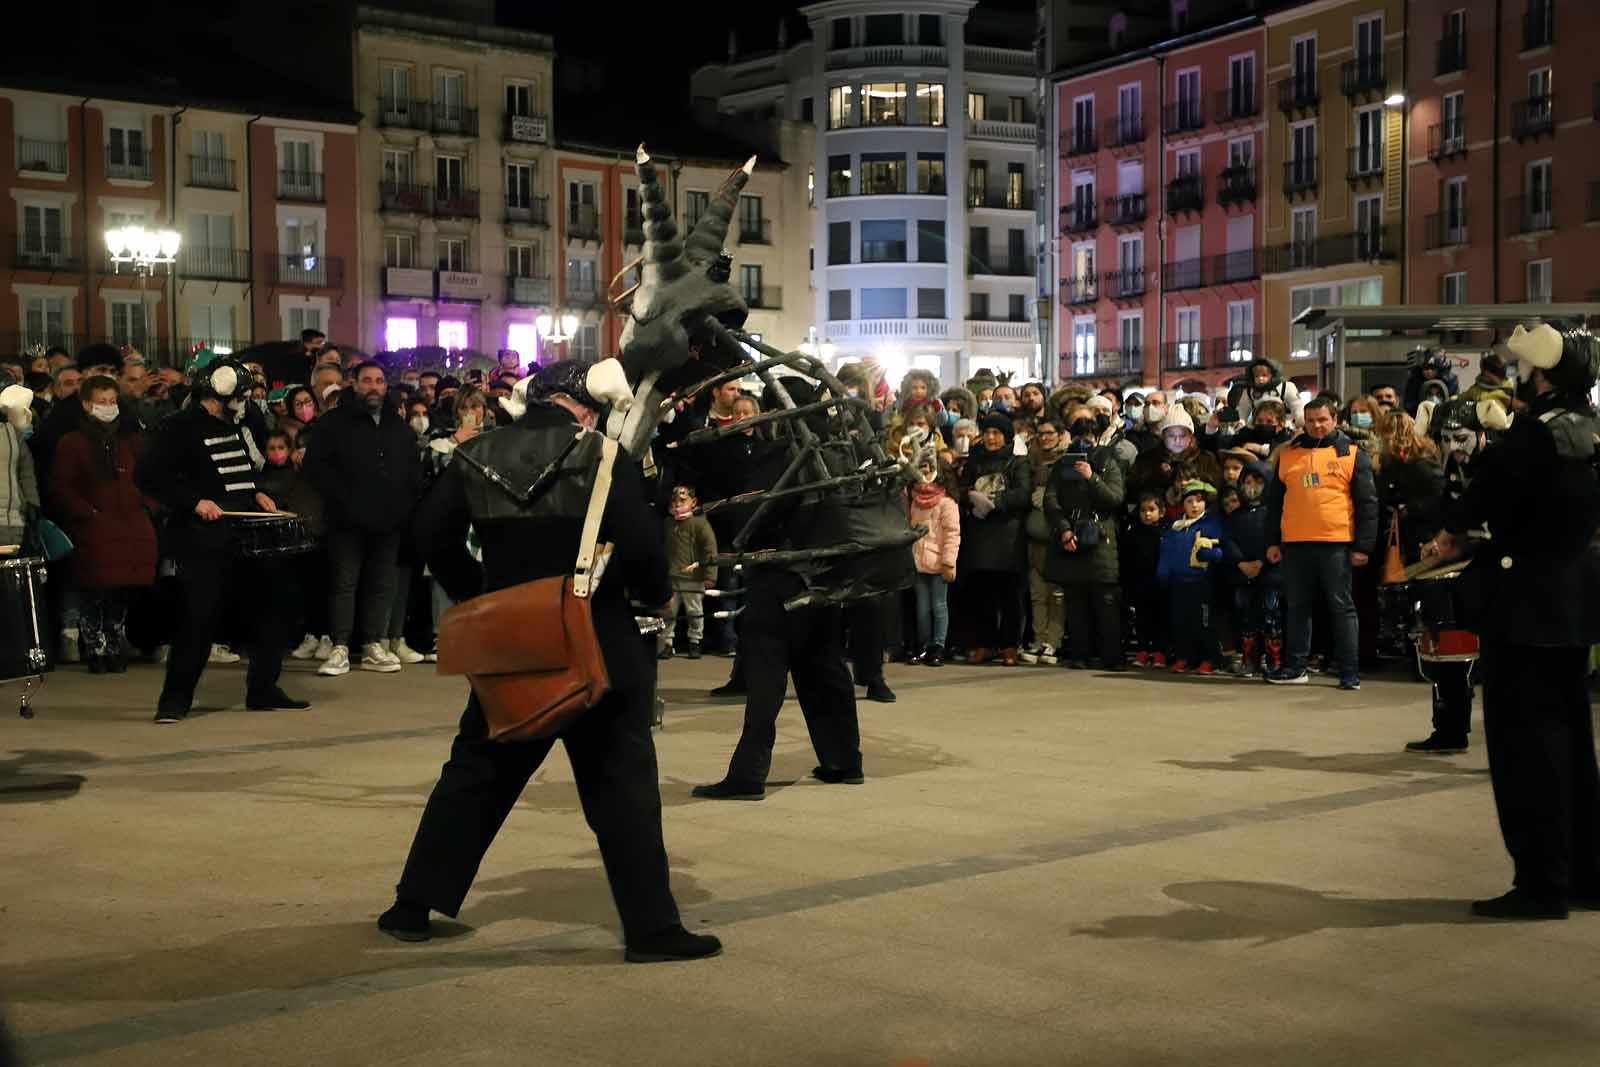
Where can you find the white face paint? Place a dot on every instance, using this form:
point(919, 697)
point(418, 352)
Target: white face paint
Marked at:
point(1460, 441)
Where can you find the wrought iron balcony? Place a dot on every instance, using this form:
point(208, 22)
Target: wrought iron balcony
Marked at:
point(1533, 117)
point(134, 165)
point(1447, 139)
point(1444, 229)
point(1300, 175)
point(1128, 209)
point(214, 264)
point(755, 231)
point(1186, 194)
point(47, 252)
point(212, 172)
point(1539, 25)
point(1374, 243)
point(1184, 116)
point(1239, 266)
point(1237, 103)
point(1299, 92)
point(453, 119)
point(1210, 353)
point(1001, 266)
point(402, 113)
point(305, 272)
point(1363, 75)
point(403, 197)
point(1450, 53)
point(41, 157)
point(1080, 217)
point(1124, 284)
point(766, 298)
point(1183, 274)
point(1078, 290)
point(455, 202)
point(1001, 199)
point(1531, 212)
point(1123, 131)
point(525, 129)
point(529, 211)
point(1236, 185)
point(581, 293)
point(302, 186)
point(524, 291)
point(1079, 141)
point(1365, 163)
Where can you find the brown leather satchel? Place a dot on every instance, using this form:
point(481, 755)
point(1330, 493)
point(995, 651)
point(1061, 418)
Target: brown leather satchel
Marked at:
point(530, 650)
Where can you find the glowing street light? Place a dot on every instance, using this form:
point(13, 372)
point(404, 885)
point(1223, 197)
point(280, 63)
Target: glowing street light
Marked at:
point(142, 249)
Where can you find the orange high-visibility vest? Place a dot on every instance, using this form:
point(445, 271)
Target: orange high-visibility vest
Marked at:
point(1317, 503)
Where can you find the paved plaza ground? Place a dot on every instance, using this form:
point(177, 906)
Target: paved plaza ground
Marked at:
point(1043, 868)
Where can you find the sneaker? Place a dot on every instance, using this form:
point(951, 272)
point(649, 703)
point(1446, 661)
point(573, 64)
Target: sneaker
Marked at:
point(1158, 660)
point(324, 647)
point(1047, 657)
point(221, 654)
point(305, 649)
point(404, 652)
point(1181, 667)
point(672, 945)
point(70, 652)
point(1141, 659)
point(1029, 655)
point(1435, 745)
point(374, 657)
point(1350, 683)
point(694, 650)
point(1205, 668)
point(1288, 676)
point(337, 663)
point(430, 657)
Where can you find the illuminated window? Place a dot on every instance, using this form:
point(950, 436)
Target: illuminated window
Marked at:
point(400, 333)
point(883, 104)
point(452, 334)
point(840, 99)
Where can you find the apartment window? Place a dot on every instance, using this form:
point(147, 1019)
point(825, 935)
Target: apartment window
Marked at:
point(1188, 163)
point(1538, 107)
point(808, 111)
point(1186, 334)
point(303, 318)
point(1131, 328)
point(43, 233)
point(394, 90)
point(1453, 288)
point(519, 99)
point(883, 241)
point(1369, 141)
point(1017, 308)
point(128, 321)
point(581, 277)
point(752, 220)
point(883, 104)
point(930, 303)
point(449, 99)
point(695, 207)
point(750, 284)
point(398, 166)
point(838, 243)
point(1303, 141)
point(884, 29)
point(883, 172)
point(210, 240)
point(1241, 153)
point(838, 305)
point(978, 306)
point(1452, 117)
point(125, 151)
point(883, 303)
point(1302, 235)
point(811, 187)
point(1369, 225)
point(295, 160)
point(978, 249)
point(1083, 345)
point(519, 260)
point(1083, 266)
point(301, 240)
point(1369, 45)
point(930, 173)
point(977, 107)
point(1016, 195)
point(519, 185)
point(1538, 190)
point(1083, 195)
point(977, 182)
point(1305, 67)
point(453, 253)
point(399, 250)
point(586, 345)
point(930, 105)
point(840, 37)
point(838, 176)
point(1242, 85)
point(1540, 285)
point(1453, 201)
point(930, 241)
point(1188, 103)
point(1083, 121)
point(449, 175)
point(44, 320)
point(1130, 113)
point(212, 323)
point(1130, 256)
point(840, 100)
point(1241, 331)
point(930, 30)
point(209, 167)
point(1016, 109)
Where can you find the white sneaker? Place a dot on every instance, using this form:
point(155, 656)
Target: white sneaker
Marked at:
point(404, 652)
point(305, 649)
point(70, 652)
point(1047, 656)
point(220, 654)
point(337, 663)
point(374, 657)
point(1030, 654)
point(324, 647)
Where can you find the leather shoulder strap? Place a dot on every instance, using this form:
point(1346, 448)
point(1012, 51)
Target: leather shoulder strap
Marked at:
point(588, 541)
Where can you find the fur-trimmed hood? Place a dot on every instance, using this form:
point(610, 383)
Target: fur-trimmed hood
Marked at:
point(1065, 396)
point(927, 378)
point(963, 396)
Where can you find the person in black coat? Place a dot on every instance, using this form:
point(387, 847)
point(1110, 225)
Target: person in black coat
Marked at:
point(612, 754)
point(365, 464)
point(995, 495)
point(1251, 577)
point(1532, 592)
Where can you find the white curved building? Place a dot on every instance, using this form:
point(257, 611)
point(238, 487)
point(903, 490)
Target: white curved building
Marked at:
point(916, 122)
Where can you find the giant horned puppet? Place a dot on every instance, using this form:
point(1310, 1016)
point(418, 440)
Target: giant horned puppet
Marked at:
point(684, 335)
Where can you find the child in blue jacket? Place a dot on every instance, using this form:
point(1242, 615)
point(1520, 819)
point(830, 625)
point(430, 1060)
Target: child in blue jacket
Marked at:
point(1188, 550)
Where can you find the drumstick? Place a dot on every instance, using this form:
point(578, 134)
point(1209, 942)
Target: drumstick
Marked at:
point(260, 515)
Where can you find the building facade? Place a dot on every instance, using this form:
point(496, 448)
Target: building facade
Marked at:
point(1504, 174)
point(455, 179)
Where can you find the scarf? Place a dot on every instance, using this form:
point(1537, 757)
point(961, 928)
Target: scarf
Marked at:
point(925, 496)
point(1186, 522)
point(103, 437)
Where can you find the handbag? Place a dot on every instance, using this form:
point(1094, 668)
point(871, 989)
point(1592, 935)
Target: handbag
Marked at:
point(530, 651)
point(1394, 565)
point(42, 537)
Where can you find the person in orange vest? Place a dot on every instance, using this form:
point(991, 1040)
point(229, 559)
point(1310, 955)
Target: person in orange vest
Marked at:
point(1322, 521)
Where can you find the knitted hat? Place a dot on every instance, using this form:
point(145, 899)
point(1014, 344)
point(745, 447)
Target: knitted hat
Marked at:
point(1178, 417)
point(996, 421)
point(98, 354)
point(981, 379)
point(1102, 403)
point(1258, 468)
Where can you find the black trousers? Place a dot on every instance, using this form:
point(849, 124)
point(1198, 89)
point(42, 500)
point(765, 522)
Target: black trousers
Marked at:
point(206, 585)
point(773, 644)
point(614, 761)
point(1094, 621)
point(997, 600)
point(1189, 611)
point(1537, 722)
point(1452, 697)
point(866, 621)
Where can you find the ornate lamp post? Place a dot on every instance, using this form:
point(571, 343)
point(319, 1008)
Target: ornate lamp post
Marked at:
point(555, 328)
point(142, 251)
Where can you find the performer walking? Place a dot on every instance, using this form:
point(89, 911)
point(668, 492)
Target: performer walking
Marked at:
point(612, 753)
point(1538, 585)
point(199, 466)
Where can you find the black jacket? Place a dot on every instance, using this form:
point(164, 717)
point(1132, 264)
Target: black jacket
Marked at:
point(994, 542)
point(1244, 540)
point(1139, 550)
point(1416, 490)
point(522, 543)
point(368, 473)
point(1071, 499)
point(196, 456)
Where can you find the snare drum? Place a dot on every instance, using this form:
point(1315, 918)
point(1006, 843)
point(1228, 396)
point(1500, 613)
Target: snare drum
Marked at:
point(269, 536)
point(1399, 618)
point(24, 652)
point(1442, 638)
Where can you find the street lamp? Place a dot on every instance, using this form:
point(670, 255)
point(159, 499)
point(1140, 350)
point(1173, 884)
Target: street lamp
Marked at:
point(555, 329)
point(142, 250)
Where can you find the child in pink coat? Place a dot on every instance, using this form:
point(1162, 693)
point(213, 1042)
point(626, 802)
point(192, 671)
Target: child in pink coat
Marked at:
point(935, 556)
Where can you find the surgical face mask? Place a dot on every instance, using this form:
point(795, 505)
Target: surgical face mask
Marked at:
point(419, 424)
point(1361, 420)
point(917, 434)
point(305, 412)
point(1154, 415)
point(963, 445)
point(104, 412)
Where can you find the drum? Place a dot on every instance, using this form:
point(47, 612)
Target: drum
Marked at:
point(1399, 619)
point(1442, 638)
point(269, 536)
point(24, 650)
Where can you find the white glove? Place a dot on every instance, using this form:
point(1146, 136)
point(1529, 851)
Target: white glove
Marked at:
point(608, 384)
point(981, 503)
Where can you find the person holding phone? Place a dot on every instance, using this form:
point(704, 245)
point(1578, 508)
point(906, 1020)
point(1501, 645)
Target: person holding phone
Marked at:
point(1081, 503)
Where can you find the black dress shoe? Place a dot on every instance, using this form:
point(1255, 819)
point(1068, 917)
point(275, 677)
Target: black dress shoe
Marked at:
point(276, 700)
point(838, 776)
point(730, 790)
point(165, 716)
point(672, 945)
point(879, 690)
point(1438, 746)
point(731, 689)
point(1521, 904)
point(96, 664)
point(116, 665)
point(406, 922)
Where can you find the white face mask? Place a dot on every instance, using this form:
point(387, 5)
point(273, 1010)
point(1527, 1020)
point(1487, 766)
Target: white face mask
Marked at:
point(1155, 415)
point(104, 412)
point(419, 424)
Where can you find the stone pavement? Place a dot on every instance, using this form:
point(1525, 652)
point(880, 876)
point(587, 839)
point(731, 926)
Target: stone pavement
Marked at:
point(1043, 868)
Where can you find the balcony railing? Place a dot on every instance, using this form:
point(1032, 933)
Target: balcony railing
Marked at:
point(1299, 92)
point(1365, 163)
point(1362, 75)
point(582, 294)
point(133, 166)
point(1002, 266)
point(527, 292)
point(633, 230)
point(1236, 104)
point(1236, 185)
point(1079, 217)
point(755, 231)
point(454, 119)
point(1001, 199)
point(1184, 116)
point(404, 197)
point(1124, 284)
point(1531, 212)
point(398, 113)
point(303, 186)
point(1539, 25)
point(1444, 229)
point(41, 157)
point(1533, 116)
point(1210, 353)
point(45, 252)
point(212, 172)
point(1124, 130)
point(305, 272)
point(1239, 266)
point(1447, 139)
point(1450, 53)
point(883, 252)
point(1079, 290)
point(1129, 209)
point(525, 129)
point(1300, 175)
point(214, 264)
point(1079, 141)
point(455, 202)
point(766, 298)
point(1378, 242)
point(1183, 274)
point(530, 211)
point(1186, 194)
